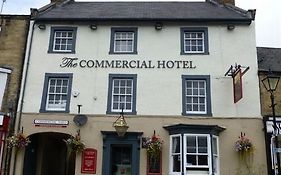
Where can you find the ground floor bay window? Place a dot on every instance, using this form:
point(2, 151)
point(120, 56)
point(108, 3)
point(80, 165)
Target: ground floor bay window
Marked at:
point(194, 149)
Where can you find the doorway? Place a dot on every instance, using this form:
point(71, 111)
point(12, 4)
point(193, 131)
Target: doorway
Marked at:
point(47, 154)
point(121, 155)
point(121, 160)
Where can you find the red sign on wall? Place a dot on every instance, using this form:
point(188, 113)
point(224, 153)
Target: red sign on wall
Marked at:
point(237, 86)
point(89, 161)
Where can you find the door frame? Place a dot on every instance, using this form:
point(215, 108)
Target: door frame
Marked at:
point(111, 138)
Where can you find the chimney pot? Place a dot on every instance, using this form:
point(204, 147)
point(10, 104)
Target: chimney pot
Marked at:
point(56, 1)
point(227, 2)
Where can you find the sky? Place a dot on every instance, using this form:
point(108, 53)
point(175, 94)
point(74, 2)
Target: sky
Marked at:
point(268, 16)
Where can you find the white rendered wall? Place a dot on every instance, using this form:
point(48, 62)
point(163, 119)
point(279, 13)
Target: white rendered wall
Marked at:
point(159, 91)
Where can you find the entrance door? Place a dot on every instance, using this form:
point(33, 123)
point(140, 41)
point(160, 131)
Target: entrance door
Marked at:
point(121, 160)
point(121, 155)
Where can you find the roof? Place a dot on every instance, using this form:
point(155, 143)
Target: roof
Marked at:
point(269, 58)
point(144, 11)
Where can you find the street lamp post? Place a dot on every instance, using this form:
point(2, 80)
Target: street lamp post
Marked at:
point(270, 83)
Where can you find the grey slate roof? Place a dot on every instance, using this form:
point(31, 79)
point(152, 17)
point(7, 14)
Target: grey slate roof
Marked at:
point(269, 58)
point(145, 11)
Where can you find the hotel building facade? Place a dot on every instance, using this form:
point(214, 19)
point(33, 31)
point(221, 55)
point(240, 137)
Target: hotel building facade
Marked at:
point(163, 66)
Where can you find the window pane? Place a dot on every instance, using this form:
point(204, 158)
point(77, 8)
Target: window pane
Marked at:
point(195, 107)
point(189, 92)
point(128, 106)
point(128, 98)
point(202, 108)
point(52, 89)
point(122, 90)
point(201, 91)
point(123, 83)
point(202, 144)
point(215, 146)
point(191, 159)
point(191, 144)
point(176, 163)
point(188, 100)
point(176, 145)
point(189, 107)
point(202, 160)
point(51, 97)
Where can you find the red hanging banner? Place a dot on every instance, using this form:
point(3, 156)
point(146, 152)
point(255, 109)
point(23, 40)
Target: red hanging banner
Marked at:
point(89, 161)
point(237, 86)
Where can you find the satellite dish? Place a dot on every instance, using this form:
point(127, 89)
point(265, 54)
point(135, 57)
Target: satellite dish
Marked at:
point(80, 119)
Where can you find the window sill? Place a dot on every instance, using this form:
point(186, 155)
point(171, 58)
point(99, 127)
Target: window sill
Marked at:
point(204, 53)
point(52, 111)
point(57, 52)
point(123, 53)
point(125, 113)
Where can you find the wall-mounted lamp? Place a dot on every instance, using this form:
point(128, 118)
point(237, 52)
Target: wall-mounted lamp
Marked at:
point(158, 26)
point(42, 26)
point(93, 27)
point(121, 125)
point(230, 27)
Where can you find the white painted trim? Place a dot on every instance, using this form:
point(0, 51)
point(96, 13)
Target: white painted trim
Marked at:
point(5, 70)
point(170, 155)
point(208, 152)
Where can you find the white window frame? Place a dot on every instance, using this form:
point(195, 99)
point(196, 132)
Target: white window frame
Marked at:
point(209, 166)
point(183, 152)
point(196, 96)
point(171, 155)
point(196, 40)
point(67, 38)
point(126, 40)
point(61, 94)
point(125, 94)
point(216, 155)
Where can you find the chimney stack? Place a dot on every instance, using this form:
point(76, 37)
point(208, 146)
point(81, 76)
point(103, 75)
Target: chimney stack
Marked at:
point(57, 1)
point(227, 2)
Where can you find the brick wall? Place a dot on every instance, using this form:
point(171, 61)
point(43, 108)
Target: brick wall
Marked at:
point(12, 48)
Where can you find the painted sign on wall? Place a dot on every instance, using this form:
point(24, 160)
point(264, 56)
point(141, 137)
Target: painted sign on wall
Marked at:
point(89, 161)
point(68, 62)
point(237, 86)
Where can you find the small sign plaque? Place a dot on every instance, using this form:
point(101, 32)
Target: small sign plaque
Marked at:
point(51, 123)
point(89, 161)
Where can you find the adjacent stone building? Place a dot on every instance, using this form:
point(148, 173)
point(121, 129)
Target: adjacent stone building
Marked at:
point(269, 61)
point(183, 72)
point(13, 38)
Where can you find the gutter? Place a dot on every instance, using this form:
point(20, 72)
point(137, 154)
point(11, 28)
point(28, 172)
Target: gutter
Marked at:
point(237, 21)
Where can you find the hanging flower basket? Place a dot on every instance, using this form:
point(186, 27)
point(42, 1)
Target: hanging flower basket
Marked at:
point(74, 143)
point(243, 144)
point(17, 141)
point(153, 146)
